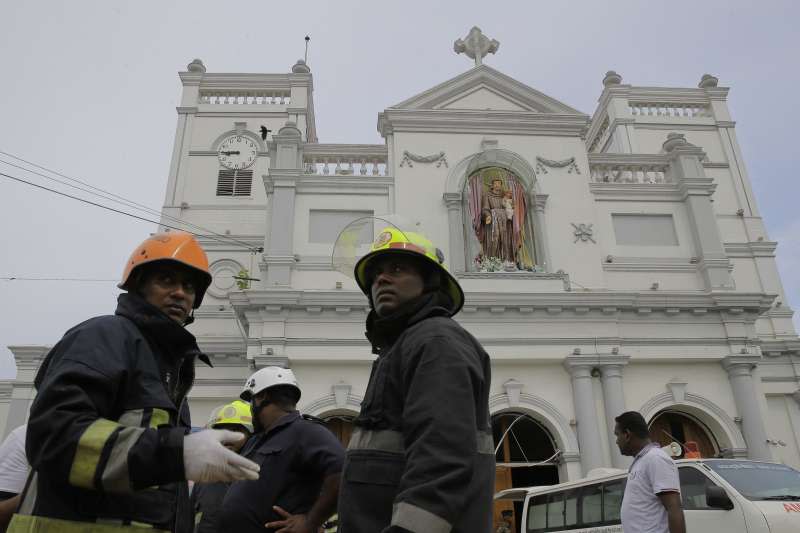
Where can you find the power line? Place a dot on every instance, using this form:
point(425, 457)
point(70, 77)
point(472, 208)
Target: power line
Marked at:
point(18, 278)
point(111, 196)
point(115, 210)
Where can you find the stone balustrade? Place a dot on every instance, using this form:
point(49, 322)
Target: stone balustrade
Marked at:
point(669, 109)
point(273, 97)
point(345, 159)
point(628, 168)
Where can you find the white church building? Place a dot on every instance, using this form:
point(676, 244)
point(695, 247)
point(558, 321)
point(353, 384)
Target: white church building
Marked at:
point(634, 273)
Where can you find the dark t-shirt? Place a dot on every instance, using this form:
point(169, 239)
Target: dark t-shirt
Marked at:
point(295, 455)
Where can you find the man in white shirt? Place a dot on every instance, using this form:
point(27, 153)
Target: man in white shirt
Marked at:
point(13, 473)
point(652, 501)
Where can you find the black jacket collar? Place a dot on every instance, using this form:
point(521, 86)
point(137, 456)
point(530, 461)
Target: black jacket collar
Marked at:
point(158, 327)
point(382, 332)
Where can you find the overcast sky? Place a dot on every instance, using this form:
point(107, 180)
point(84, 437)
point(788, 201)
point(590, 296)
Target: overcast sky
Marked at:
point(90, 89)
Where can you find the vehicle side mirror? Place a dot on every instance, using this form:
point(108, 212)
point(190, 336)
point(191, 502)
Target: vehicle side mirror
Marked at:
point(717, 498)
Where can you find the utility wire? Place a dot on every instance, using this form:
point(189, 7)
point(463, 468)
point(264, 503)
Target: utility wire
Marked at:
point(19, 278)
point(111, 196)
point(112, 209)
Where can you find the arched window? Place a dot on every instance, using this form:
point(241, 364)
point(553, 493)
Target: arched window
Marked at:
point(499, 231)
point(693, 436)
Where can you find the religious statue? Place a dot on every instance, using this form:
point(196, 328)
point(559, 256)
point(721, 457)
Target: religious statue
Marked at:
point(499, 219)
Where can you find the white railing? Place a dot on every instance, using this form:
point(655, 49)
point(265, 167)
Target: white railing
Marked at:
point(345, 160)
point(667, 109)
point(624, 168)
point(245, 97)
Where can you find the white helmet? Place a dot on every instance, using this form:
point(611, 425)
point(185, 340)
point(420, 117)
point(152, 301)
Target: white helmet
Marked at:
point(267, 377)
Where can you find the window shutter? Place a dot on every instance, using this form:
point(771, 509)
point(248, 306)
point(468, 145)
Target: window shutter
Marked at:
point(234, 182)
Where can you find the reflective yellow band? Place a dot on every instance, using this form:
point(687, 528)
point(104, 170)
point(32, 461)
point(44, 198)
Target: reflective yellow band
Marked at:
point(40, 524)
point(160, 417)
point(87, 456)
point(418, 520)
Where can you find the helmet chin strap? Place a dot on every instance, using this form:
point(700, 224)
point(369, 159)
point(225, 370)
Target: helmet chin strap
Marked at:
point(189, 319)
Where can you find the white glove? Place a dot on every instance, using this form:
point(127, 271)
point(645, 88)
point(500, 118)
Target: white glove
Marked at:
point(206, 460)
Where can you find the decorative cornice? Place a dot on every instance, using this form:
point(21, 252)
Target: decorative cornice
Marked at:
point(186, 110)
point(336, 184)
point(28, 357)
point(634, 192)
point(492, 79)
point(751, 249)
point(775, 347)
point(649, 264)
point(366, 151)
point(745, 303)
point(474, 121)
point(6, 388)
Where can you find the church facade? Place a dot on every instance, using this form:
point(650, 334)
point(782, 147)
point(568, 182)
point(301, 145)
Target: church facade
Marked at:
point(613, 261)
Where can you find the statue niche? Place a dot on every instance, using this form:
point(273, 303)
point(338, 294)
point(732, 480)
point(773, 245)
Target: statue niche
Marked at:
point(498, 210)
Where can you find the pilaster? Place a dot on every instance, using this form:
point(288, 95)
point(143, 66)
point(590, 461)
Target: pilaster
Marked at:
point(286, 167)
point(687, 171)
point(585, 412)
point(740, 373)
point(456, 256)
point(614, 401)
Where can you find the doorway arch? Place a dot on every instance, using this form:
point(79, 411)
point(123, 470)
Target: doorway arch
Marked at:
point(526, 456)
point(672, 425)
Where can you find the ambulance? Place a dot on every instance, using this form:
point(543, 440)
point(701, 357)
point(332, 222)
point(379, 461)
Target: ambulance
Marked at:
point(719, 496)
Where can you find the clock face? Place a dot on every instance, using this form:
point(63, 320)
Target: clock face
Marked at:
point(237, 152)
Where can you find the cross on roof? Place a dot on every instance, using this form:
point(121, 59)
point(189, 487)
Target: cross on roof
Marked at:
point(476, 45)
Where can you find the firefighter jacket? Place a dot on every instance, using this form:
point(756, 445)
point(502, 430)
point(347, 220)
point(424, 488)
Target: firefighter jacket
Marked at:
point(105, 435)
point(421, 457)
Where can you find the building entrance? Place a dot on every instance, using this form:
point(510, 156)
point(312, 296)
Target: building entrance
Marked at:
point(525, 458)
point(694, 437)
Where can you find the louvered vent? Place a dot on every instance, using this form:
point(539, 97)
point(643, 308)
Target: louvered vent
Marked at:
point(234, 182)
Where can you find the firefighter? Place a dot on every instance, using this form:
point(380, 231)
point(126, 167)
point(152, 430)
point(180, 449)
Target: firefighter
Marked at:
point(421, 457)
point(107, 437)
point(207, 498)
point(301, 462)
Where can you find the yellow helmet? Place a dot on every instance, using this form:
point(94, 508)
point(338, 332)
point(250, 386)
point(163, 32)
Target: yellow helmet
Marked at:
point(392, 240)
point(237, 412)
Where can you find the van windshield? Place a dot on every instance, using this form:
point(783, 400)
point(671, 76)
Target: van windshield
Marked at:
point(760, 481)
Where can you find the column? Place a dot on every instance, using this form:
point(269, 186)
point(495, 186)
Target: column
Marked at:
point(740, 374)
point(454, 219)
point(286, 167)
point(614, 400)
point(585, 414)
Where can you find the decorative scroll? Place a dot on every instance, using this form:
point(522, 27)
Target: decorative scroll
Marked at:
point(541, 163)
point(440, 159)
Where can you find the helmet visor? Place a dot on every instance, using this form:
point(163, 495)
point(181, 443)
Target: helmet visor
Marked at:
point(356, 239)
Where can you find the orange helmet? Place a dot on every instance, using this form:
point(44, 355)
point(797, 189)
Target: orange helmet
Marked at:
point(177, 246)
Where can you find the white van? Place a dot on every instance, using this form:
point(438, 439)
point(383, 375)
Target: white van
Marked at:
point(719, 495)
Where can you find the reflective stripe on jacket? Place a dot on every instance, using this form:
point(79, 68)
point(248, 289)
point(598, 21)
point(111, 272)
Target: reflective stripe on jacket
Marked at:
point(105, 435)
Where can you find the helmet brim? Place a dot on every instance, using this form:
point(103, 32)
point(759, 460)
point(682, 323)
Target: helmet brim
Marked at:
point(449, 284)
point(203, 277)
